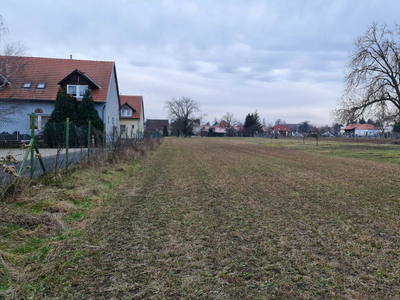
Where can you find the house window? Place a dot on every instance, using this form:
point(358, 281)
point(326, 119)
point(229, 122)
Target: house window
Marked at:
point(41, 85)
point(27, 85)
point(113, 120)
point(122, 128)
point(126, 112)
point(40, 121)
point(77, 90)
point(133, 127)
point(108, 119)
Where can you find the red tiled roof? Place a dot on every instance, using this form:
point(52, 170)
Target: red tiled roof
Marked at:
point(223, 124)
point(351, 126)
point(366, 127)
point(52, 71)
point(135, 102)
point(278, 128)
point(360, 127)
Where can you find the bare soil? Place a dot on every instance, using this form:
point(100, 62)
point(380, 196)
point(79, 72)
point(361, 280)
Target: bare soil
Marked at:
point(207, 218)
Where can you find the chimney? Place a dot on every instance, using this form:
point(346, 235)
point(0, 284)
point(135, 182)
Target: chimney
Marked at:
point(70, 56)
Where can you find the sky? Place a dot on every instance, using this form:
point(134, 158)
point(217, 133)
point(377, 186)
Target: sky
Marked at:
point(284, 58)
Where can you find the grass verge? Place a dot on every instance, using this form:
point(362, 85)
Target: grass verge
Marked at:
point(42, 222)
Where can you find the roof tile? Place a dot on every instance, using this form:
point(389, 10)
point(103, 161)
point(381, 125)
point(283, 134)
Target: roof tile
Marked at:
point(135, 102)
point(51, 71)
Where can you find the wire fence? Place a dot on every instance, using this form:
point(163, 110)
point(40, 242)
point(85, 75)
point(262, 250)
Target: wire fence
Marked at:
point(60, 145)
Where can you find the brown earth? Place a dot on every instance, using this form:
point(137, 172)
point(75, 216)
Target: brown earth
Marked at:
point(218, 219)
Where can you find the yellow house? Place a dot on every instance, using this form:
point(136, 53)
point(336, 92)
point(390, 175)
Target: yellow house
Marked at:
point(131, 115)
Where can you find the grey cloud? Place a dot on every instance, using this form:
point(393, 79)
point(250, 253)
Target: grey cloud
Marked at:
point(266, 50)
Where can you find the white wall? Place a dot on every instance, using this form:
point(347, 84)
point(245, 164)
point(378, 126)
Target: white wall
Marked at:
point(365, 132)
point(112, 106)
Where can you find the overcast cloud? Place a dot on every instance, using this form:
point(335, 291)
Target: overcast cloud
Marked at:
point(284, 58)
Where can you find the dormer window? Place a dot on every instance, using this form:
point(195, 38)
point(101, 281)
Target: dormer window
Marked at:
point(27, 85)
point(41, 85)
point(126, 112)
point(77, 90)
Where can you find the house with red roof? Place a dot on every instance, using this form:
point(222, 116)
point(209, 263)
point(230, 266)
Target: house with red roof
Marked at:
point(281, 129)
point(131, 118)
point(33, 88)
point(366, 130)
point(222, 129)
point(361, 130)
point(350, 129)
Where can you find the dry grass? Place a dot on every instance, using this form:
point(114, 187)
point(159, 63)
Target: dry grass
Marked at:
point(43, 220)
point(217, 219)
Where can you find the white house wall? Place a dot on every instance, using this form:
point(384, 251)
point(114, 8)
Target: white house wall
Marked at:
point(365, 132)
point(112, 107)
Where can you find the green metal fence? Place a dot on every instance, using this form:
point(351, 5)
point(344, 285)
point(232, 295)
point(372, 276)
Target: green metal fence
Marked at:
point(58, 147)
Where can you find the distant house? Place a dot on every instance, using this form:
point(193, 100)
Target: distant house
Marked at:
point(217, 131)
point(350, 129)
point(156, 125)
point(282, 129)
point(33, 89)
point(366, 130)
point(361, 130)
point(222, 129)
point(388, 128)
point(196, 129)
point(293, 128)
point(131, 115)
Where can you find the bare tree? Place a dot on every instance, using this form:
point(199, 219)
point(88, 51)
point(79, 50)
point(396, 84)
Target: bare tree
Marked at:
point(229, 118)
point(183, 113)
point(373, 75)
point(3, 26)
point(11, 61)
point(383, 118)
point(12, 56)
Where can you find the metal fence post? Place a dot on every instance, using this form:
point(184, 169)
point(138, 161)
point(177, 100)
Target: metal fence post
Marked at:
point(32, 148)
point(89, 140)
point(67, 145)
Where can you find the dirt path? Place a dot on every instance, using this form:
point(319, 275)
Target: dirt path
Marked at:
point(217, 219)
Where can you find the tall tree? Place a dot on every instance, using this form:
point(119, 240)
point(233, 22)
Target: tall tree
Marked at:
point(183, 112)
point(252, 124)
point(65, 107)
point(11, 61)
point(373, 75)
point(383, 118)
point(165, 130)
point(336, 128)
point(87, 112)
point(304, 127)
point(230, 119)
point(12, 56)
